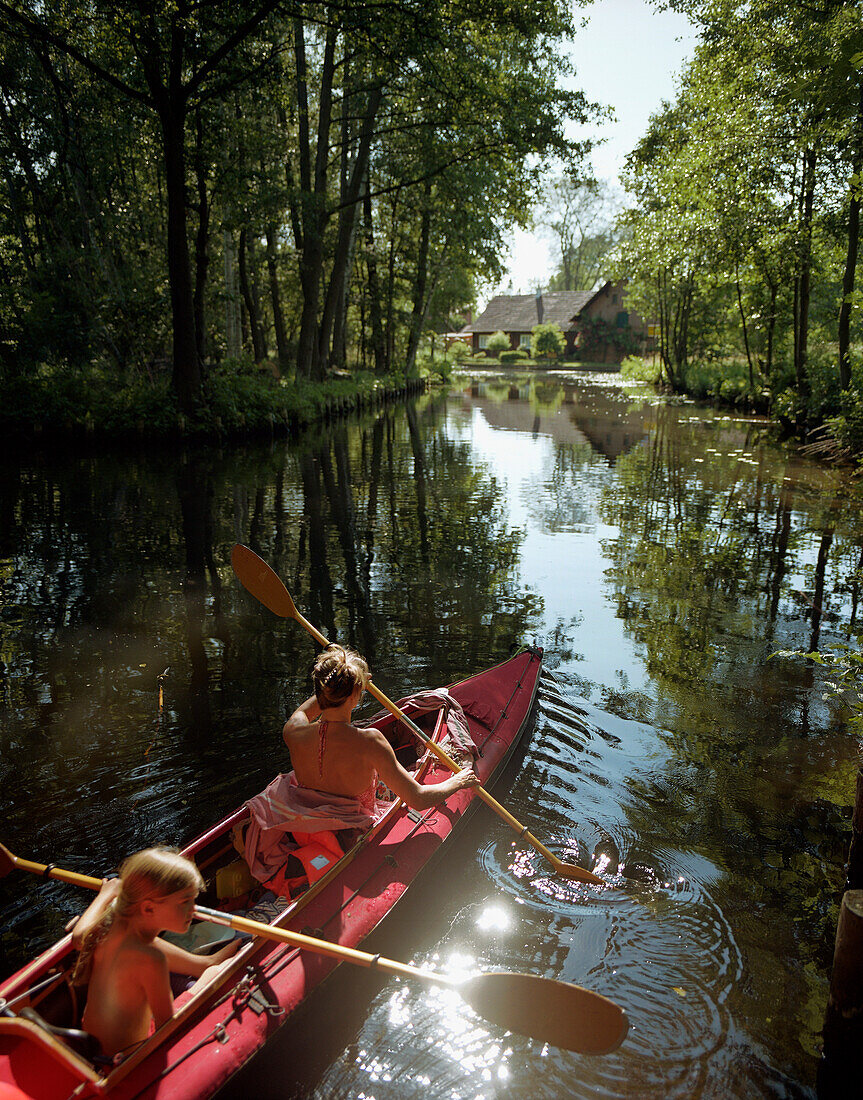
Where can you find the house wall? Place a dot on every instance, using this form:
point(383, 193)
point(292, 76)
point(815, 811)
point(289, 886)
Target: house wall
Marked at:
point(515, 341)
point(608, 305)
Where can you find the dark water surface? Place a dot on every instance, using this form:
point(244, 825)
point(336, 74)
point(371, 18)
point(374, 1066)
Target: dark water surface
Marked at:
point(660, 552)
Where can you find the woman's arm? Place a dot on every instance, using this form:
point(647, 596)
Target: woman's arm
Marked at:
point(419, 796)
point(302, 717)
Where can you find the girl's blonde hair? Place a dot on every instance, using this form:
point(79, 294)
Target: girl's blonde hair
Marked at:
point(337, 673)
point(153, 874)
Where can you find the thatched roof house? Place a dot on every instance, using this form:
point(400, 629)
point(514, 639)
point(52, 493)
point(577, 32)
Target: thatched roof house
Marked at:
point(601, 311)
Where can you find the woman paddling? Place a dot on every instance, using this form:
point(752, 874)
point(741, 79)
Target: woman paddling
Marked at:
point(333, 785)
point(123, 960)
point(330, 754)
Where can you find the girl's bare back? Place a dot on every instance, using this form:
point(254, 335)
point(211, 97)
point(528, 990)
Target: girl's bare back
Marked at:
point(127, 976)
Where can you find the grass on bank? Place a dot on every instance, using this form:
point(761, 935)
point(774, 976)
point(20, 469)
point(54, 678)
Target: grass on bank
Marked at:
point(828, 418)
point(238, 398)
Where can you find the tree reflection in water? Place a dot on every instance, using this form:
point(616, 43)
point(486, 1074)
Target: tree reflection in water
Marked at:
point(661, 552)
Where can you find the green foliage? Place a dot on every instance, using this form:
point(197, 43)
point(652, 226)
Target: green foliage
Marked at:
point(240, 398)
point(635, 369)
point(740, 193)
point(88, 282)
point(513, 355)
point(458, 350)
point(547, 341)
point(497, 342)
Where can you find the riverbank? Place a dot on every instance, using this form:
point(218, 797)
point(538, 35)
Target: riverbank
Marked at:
point(239, 401)
point(828, 423)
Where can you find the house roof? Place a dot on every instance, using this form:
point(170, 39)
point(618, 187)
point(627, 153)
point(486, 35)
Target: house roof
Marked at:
point(517, 312)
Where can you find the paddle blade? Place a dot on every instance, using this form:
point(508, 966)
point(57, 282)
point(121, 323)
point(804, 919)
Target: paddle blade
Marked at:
point(257, 578)
point(573, 871)
point(558, 1013)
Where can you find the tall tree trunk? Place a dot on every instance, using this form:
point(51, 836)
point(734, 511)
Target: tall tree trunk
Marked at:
point(418, 304)
point(800, 367)
point(771, 330)
point(374, 291)
point(171, 102)
point(202, 240)
point(186, 368)
point(233, 324)
point(343, 256)
point(258, 349)
point(389, 340)
point(844, 334)
point(276, 299)
point(743, 323)
point(313, 194)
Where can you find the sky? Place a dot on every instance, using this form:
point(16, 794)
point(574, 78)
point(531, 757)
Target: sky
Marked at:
point(627, 56)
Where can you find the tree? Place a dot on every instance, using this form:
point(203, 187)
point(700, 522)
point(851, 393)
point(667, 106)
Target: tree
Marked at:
point(446, 113)
point(497, 342)
point(547, 341)
point(165, 61)
point(578, 214)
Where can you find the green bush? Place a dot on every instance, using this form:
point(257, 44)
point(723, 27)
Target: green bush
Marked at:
point(547, 341)
point(497, 342)
point(458, 350)
point(635, 369)
point(515, 355)
point(239, 398)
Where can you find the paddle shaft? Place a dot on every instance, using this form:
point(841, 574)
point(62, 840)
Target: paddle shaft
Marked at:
point(490, 800)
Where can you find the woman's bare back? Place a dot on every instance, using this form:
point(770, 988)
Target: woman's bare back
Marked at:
point(333, 757)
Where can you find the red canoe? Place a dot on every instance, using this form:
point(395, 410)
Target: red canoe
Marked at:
point(223, 1026)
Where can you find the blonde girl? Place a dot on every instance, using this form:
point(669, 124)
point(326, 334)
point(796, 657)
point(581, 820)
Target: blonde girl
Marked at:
point(123, 960)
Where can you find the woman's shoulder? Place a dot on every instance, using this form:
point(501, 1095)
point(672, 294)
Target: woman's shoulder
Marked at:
point(297, 732)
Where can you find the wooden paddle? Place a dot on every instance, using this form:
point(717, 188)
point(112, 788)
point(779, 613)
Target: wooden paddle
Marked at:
point(551, 1011)
point(259, 579)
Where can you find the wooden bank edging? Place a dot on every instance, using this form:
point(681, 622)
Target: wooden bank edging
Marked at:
point(840, 1071)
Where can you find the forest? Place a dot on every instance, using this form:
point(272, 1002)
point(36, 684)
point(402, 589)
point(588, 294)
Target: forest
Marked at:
point(211, 214)
point(224, 218)
point(740, 235)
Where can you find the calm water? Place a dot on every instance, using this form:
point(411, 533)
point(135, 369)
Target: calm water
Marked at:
point(660, 552)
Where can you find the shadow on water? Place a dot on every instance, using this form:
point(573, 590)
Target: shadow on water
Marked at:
point(660, 552)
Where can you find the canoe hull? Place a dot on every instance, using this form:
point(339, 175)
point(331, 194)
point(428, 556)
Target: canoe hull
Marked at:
point(213, 1037)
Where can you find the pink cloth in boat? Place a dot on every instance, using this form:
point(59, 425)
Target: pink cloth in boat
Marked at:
point(285, 806)
point(426, 702)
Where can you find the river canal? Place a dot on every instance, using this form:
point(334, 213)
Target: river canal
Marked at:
point(661, 552)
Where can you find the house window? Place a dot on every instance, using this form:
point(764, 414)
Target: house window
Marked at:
point(622, 319)
point(524, 340)
point(483, 340)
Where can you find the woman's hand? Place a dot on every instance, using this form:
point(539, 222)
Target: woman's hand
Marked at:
point(467, 777)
